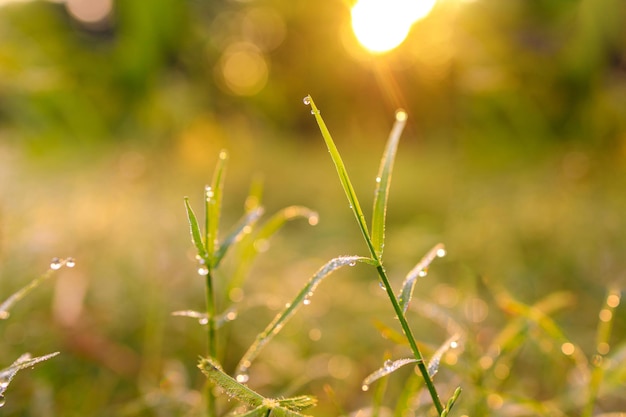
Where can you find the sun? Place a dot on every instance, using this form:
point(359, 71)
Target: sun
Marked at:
point(381, 25)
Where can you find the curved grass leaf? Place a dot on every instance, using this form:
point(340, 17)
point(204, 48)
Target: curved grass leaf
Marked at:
point(418, 270)
point(433, 364)
point(196, 235)
point(285, 407)
point(213, 196)
point(23, 362)
point(383, 180)
point(386, 369)
point(237, 233)
point(451, 402)
point(301, 298)
point(343, 175)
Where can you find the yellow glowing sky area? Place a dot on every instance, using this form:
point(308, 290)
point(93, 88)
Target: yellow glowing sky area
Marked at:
point(381, 25)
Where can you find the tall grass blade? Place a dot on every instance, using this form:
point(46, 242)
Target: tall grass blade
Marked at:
point(241, 229)
point(383, 180)
point(388, 367)
point(451, 402)
point(23, 362)
point(213, 195)
point(433, 364)
point(196, 235)
point(303, 297)
point(255, 194)
point(343, 174)
point(299, 403)
point(419, 270)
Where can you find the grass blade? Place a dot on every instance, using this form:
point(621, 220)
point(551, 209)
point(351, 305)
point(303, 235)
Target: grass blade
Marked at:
point(254, 243)
point(433, 364)
point(22, 292)
point(23, 362)
point(388, 367)
point(244, 226)
point(383, 180)
point(213, 195)
point(343, 175)
point(418, 270)
point(281, 318)
point(196, 235)
point(299, 403)
point(231, 387)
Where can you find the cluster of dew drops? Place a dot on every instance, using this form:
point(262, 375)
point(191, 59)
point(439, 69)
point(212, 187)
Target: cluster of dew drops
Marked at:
point(58, 263)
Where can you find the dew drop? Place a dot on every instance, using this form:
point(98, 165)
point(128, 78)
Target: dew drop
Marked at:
point(203, 270)
point(382, 285)
point(365, 387)
point(441, 252)
point(242, 378)
point(423, 272)
point(378, 180)
point(223, 155)
point(55, 263)
point(352, 263)
point(454, 345)
point(4, 383)
point(401, 115)
point(314, 220)
point(388, 364)
point(2, 400)
point(70, 262)
point(203, 321)
point(306, 302)
point(232, 315)
point(307, 100)
point(4, 315)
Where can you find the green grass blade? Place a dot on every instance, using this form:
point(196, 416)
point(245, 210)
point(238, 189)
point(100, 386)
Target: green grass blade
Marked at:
point(196, 235)
point(388, 367)
point(343, 175)
point(22, 292)
point(255, 194)
point(299, 403)
point(418, 270)
point(23, 362)
point(254, 243)
point(451, 402)
point(383, 180)
point(241, 229)
point(433, 364)
point(302, 298)
point(213, 196)
point(231, 387)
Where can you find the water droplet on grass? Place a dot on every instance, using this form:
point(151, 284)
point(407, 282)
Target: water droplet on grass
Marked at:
point(2, 400)
point(307, 100)
point(70, 262)
point(242, 378)
point(388, 364)
point(56, 263)
point(306, 302)
point(381, 285)
point(4, 315)
point(203, 270)
point(441, 252)
point(365, 387)
point(401, 115)
point(378, 180)
point(4, 383)
point(352, 263)
point(314, 220)
point(203, 321)
point(423, 272)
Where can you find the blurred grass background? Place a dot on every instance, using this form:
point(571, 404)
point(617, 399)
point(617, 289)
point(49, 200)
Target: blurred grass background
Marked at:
point(110, 113)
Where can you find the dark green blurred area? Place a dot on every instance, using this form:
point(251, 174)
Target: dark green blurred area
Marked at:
point(513, 157)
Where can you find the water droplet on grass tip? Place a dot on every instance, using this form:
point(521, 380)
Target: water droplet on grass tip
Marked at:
point(401, 115)
point(365, 387)
point(314, 220)
point(56, 263)
point(307, 100)
point(441, 252)
point(4, 315)
point(70, 262)
point(242, 378)
point(203, 270)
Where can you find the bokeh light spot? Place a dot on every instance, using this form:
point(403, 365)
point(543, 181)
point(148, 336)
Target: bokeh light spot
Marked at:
point(89, 11)
point(244, 69)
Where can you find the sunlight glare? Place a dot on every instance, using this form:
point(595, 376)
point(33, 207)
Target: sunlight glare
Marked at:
point(381, 25)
